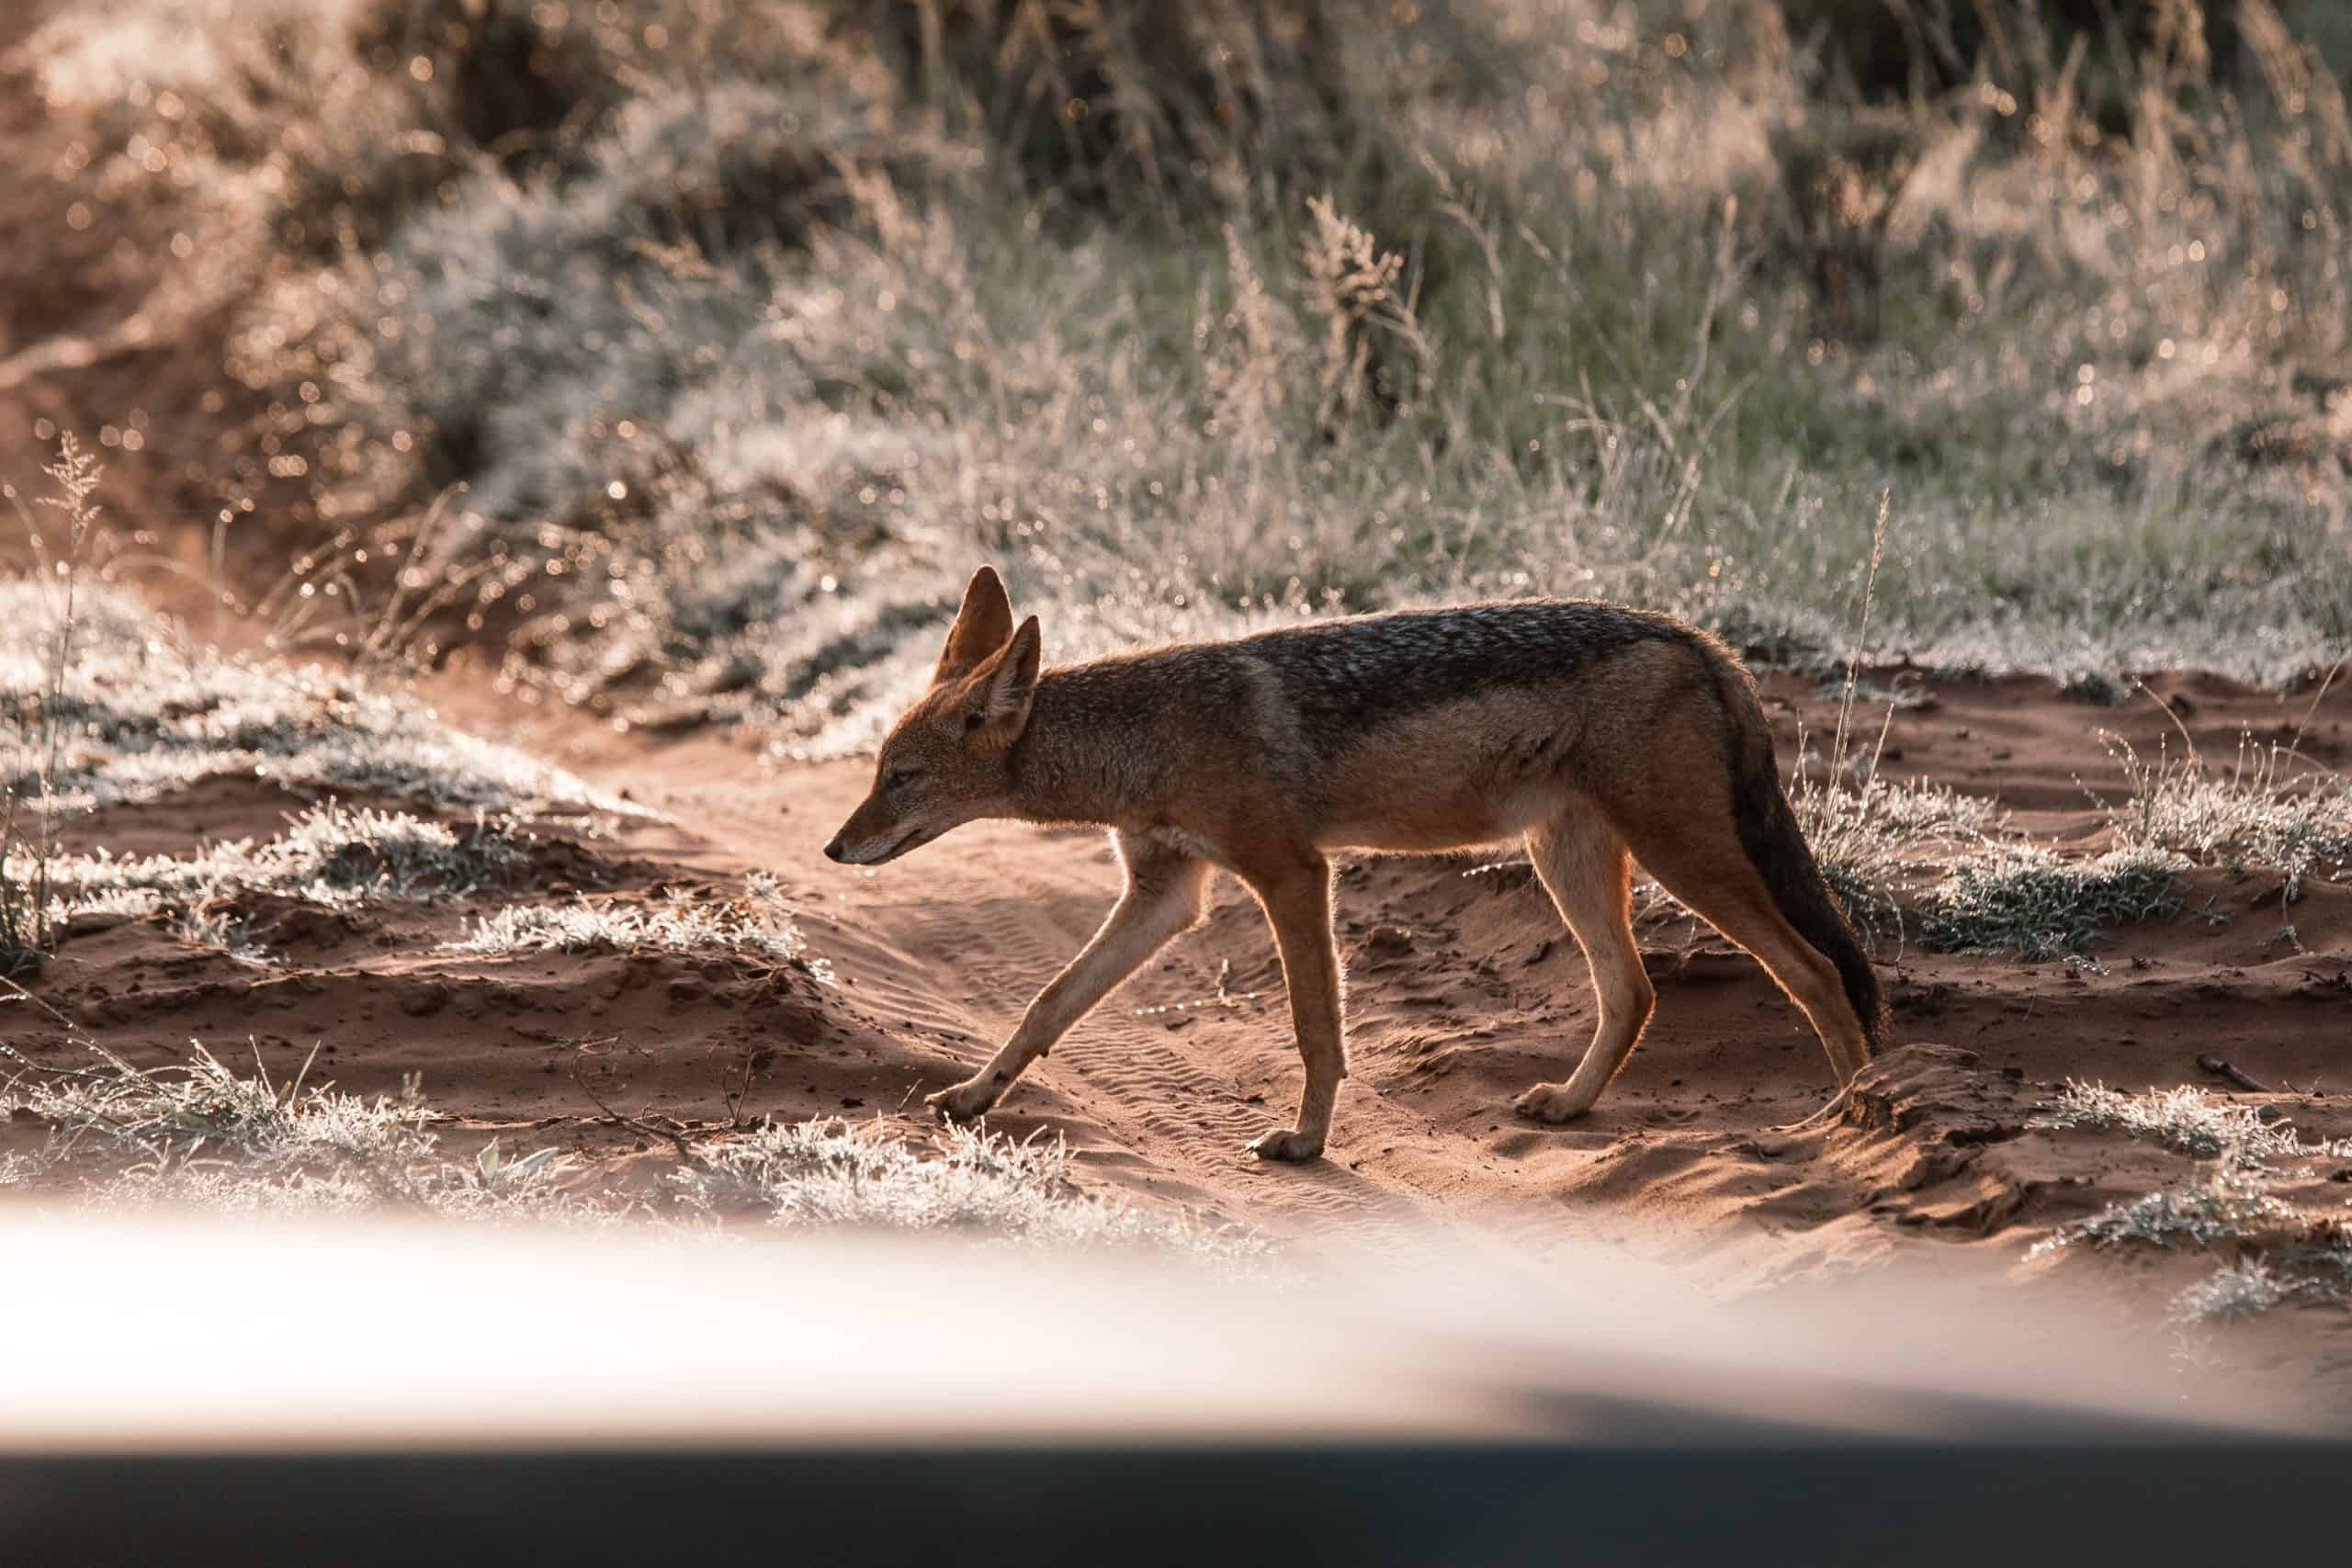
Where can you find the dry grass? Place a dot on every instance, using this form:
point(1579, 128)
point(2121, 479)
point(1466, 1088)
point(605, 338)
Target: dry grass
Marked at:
point(743, 335)
point(200, 1136)
point(2269, 809)
point(2280, 1252)
point(757, 926)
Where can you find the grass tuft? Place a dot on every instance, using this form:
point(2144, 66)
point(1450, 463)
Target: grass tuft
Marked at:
point(2284, 1252)
point(167, 1119)
point(142, 712)
point(330, 855)
point(2028, 899)
point(2228, 1206)
point(2233, 1292)
point(757, 926)
point(2264, 812)
point(832, 1174)
point(2188, 1120)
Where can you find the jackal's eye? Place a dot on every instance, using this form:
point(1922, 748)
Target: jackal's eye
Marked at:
point(899, 778)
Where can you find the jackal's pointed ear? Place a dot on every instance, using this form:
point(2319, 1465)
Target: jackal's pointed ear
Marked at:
point(1003, 688)
point(983, 625)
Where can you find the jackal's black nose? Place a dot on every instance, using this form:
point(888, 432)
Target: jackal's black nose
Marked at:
point(833, 849)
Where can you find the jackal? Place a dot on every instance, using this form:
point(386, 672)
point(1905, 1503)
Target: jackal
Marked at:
point(1598, 734)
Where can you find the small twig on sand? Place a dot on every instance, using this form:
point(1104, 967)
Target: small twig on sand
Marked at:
point(2220, 1069)
point(20, 994)
point(741, 1095)
point(643, 1129)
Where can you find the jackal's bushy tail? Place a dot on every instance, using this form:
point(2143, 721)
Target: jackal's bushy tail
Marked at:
point(1776, 846)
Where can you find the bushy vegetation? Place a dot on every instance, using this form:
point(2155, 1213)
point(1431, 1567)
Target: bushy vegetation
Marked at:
point(1880, 843)
point(2228, 1207)
point(329, 856)
point(1970, 883)
point(166, 1118)
point(108, 705)
point(688, 351)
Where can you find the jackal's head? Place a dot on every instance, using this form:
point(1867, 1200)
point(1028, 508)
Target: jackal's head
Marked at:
point(945, 761)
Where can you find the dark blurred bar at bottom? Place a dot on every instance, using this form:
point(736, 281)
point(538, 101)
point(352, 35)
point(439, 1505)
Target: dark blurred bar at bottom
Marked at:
point(1910, 1504)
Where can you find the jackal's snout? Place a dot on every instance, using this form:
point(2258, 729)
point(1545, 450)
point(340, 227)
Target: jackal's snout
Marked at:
point(945, 763)
point(874, 833)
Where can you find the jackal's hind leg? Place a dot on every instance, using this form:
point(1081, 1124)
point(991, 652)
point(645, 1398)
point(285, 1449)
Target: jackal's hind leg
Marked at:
point(1165, 894)
point(1708, 869)
point(1583, 864)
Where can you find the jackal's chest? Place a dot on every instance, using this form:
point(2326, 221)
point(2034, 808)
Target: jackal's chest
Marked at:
point(1185, 844)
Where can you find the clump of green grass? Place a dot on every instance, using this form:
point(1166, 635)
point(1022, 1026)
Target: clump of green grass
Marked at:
point(2028, 899)
point(1976, 890)
point(758, 926)
point(1876, 840)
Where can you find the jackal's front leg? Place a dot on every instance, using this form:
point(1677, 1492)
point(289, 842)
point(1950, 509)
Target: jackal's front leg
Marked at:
point(1164, 894)
point(1298, 906)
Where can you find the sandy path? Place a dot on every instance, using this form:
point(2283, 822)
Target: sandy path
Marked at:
point(1162, 1087)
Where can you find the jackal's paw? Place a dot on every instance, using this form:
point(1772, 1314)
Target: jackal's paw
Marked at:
point(1552, 1102)
point(963, 1101)
point(1284, 1144)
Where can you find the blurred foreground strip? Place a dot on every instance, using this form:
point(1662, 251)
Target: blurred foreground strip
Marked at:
point(169, 1334)
point(202, 1391)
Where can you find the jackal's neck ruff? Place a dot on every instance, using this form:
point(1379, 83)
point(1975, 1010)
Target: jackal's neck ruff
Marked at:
point(1089, 752)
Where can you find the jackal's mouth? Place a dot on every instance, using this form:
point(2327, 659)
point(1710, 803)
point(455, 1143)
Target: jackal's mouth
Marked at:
point(912, 839)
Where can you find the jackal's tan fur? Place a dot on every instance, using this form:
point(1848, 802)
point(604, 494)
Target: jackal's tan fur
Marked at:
point(1598, 734)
